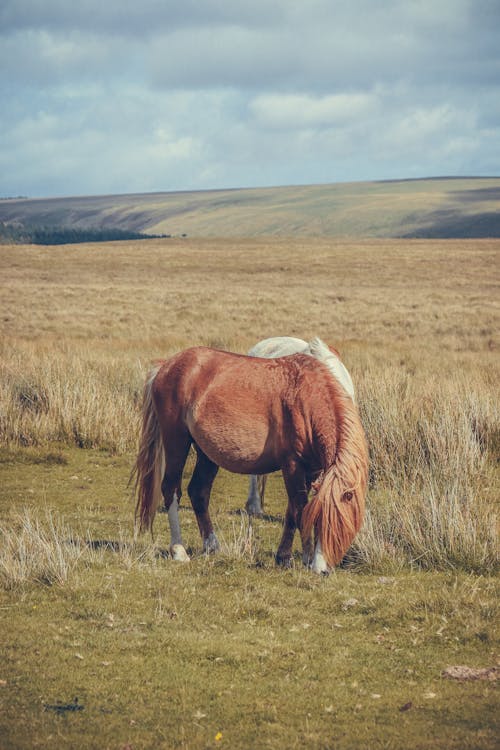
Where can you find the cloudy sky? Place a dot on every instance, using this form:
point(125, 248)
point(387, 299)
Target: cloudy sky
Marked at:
point(120, 96)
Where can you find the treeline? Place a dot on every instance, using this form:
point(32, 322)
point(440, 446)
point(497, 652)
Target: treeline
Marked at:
point(60, 235)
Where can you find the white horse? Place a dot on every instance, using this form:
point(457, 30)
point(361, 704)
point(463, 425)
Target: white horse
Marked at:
point(279, 346)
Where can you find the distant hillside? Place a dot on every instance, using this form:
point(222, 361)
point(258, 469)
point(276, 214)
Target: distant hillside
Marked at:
point(440, 207)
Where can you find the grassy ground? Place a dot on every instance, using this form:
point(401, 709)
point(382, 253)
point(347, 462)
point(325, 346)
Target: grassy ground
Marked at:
point(115, 646)
point(229, 651)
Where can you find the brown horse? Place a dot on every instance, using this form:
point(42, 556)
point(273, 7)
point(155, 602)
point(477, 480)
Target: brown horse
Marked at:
point(254, 416)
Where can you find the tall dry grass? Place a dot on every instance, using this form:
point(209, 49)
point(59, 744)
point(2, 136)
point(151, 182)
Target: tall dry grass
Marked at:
point(434, 447)
point(415, 322)
point(71, 397)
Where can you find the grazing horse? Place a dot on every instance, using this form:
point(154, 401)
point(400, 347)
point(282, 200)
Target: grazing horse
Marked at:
point(280, 346)
point(254, 416)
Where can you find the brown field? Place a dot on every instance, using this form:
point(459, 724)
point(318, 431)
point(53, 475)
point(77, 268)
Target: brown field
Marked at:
point(167, 656)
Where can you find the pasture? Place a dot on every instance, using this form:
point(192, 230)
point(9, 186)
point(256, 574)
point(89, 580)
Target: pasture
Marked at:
point(107, 643)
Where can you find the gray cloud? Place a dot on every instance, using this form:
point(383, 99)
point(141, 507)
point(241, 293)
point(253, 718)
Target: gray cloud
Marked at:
point(131, 18)
point(118, 97)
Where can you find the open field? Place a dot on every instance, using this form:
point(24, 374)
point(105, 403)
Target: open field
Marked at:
point(440, 207)
point(229, 651)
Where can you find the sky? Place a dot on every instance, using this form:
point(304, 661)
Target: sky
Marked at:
point(114, 96)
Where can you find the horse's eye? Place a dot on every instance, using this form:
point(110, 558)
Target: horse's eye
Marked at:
point(347, 496)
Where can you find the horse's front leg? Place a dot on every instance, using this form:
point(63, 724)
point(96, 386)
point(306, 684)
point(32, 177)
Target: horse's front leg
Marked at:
point(297, 489)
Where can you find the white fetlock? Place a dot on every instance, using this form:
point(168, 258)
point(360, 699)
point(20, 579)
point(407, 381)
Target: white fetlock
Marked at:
point(178, 553)
point(319, 564)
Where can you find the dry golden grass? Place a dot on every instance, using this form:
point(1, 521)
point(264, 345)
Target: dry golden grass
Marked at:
point(415, 321)
point(159, 295)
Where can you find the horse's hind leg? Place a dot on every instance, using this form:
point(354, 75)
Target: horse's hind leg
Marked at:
point(199, 489)
point(176, 452)
point(177, 548)
point(254, 500)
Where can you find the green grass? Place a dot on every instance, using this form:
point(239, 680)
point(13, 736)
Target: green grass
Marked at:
point(226, 651)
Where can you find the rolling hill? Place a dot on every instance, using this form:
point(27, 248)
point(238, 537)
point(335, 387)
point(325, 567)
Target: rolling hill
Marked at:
point(427, 208)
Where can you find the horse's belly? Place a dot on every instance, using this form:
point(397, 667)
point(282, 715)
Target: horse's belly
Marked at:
point(244, 446)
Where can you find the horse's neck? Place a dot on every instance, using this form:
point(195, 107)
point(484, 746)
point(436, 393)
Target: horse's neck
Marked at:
point(323, 420)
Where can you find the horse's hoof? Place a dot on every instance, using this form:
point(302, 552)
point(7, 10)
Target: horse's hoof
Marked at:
point(178, 553)
point(284, 561)
point(211, 544)
point(320, 570)
point(254, 511)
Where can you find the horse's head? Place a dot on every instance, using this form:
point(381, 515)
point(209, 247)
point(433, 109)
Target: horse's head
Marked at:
point(336, 508)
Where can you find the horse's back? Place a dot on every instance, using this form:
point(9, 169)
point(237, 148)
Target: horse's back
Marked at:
point(238, 409)
point(225, 401)
point(278, 346)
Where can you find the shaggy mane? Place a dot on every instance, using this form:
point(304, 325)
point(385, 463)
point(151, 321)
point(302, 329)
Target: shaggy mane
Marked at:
point(336, 510)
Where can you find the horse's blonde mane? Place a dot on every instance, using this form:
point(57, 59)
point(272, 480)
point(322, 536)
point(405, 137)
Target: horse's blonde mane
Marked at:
point(337, 507)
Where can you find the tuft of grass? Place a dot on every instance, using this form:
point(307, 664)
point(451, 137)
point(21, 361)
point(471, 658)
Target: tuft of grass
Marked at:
point(36, 550)
point(238, 541)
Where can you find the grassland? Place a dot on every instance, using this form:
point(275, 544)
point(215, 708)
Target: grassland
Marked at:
point(228, 651)
point(433, 208)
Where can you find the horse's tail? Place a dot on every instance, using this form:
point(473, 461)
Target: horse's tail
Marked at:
point(337, 507)
point(149, 465)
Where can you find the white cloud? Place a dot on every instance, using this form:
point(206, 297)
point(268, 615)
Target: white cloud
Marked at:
point(429, 128)
point(298, 111)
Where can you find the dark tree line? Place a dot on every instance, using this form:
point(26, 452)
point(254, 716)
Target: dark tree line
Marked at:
point(60, 235)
